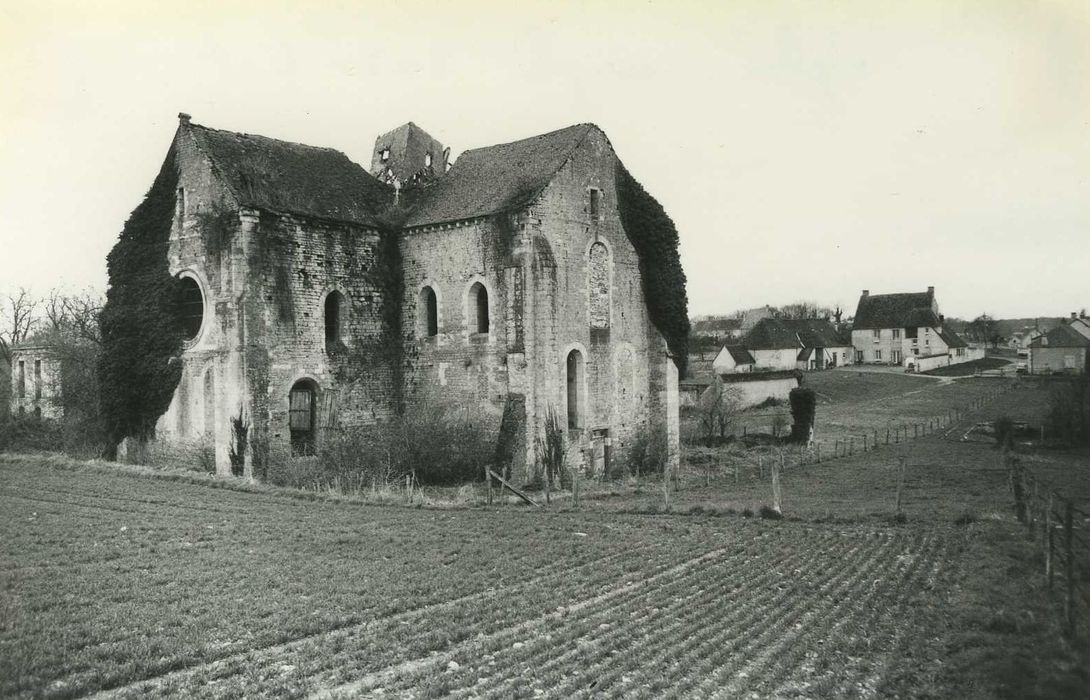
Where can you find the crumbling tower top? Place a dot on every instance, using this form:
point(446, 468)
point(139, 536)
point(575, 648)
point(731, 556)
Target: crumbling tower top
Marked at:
point(408, 153)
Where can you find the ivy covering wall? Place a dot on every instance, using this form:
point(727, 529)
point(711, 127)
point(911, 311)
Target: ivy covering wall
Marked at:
point(655, 239)
point(140, 329)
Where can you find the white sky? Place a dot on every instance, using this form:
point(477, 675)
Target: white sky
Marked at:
point(804, 149)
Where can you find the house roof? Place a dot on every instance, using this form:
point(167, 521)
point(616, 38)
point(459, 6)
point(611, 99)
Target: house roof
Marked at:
point(740, 355)
point(952, 339)
point(1061, 337)
point(716, 325)
point(781, 333)
point(287, 177)
point(497, 178)
point(895, 311)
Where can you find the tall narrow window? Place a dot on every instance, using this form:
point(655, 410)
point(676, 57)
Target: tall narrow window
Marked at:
point(575, 389)
point(302, 417)
point(595, 203)
point(20, 380)
point(179, 206)
point(598, 282)
point(427, 159)
point(478, 302)
point(429, 305)
point(334, 309)
point(37, 380)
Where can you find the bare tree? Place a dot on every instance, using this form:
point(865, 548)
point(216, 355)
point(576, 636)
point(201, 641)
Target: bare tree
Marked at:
point(804, 309)
point(19, 320)
point(74, 316)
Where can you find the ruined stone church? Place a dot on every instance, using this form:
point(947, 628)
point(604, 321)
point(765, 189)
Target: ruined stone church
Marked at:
point(505, 277)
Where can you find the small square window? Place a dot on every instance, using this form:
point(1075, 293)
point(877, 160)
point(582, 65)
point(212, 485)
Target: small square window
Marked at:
point(385, 155)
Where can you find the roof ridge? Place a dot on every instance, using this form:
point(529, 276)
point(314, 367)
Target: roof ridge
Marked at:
point(272, 138)
point(535, 136)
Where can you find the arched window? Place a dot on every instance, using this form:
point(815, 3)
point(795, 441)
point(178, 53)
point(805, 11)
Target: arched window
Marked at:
point(334, 309)
point(478, 308)
point(575, 389)
point(303, 416)
point(429, 313)
point(190, 306)
point(598, 283)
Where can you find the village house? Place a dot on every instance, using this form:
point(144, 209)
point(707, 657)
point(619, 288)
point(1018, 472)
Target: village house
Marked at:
point(520, 292)
point(789, 344)
point(906, 329)
point(717, 329)
point(1063, 349)
point(733, 359)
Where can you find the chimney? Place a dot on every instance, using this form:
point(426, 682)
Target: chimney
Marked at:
point(930, 290)
point(866, 292)
point(1074, 315)
point(183, 118)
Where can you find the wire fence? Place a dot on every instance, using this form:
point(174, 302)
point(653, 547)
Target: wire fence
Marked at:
point(1058, 524)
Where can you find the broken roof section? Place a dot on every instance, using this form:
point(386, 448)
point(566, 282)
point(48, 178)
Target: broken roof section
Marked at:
point(498, 178)
point(896, 310)
point(285, 177)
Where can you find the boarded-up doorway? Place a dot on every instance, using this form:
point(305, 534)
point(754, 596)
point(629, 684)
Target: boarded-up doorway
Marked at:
point(302, 417)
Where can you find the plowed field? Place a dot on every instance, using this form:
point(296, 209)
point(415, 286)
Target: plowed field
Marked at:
point(137, 586)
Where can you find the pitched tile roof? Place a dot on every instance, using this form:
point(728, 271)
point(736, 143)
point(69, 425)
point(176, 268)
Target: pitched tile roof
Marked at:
point(781, 333)
point(1061, 337)
point(717, 325)
point(895, 311)
point(488, 180)
point(740, 355)
point(287, 177)
point(952, 339)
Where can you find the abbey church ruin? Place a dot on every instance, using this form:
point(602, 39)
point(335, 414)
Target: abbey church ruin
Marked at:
point(519, 280)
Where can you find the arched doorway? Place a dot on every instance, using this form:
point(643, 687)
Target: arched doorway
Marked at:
point(302, 416)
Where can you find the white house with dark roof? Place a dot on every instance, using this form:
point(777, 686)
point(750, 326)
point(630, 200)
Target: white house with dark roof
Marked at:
point(803, 344)
point(732, 359)
point(905, 329)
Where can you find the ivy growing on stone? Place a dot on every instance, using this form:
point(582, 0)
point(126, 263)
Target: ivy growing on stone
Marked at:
point(138, 368)
point(655, 239)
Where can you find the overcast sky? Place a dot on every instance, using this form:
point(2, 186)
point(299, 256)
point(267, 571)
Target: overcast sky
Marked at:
point(805, 150)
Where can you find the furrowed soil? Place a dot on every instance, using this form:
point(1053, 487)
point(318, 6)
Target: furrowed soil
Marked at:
point(130, 585)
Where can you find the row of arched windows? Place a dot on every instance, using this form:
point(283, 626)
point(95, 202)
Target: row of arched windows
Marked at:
point(476, 307)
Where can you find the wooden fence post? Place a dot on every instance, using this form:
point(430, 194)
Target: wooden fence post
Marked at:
point(1018, 481)
point(1048, 542)
point(776, 484)
point(488, 478)
point(900, 484)
point(1069, 566)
